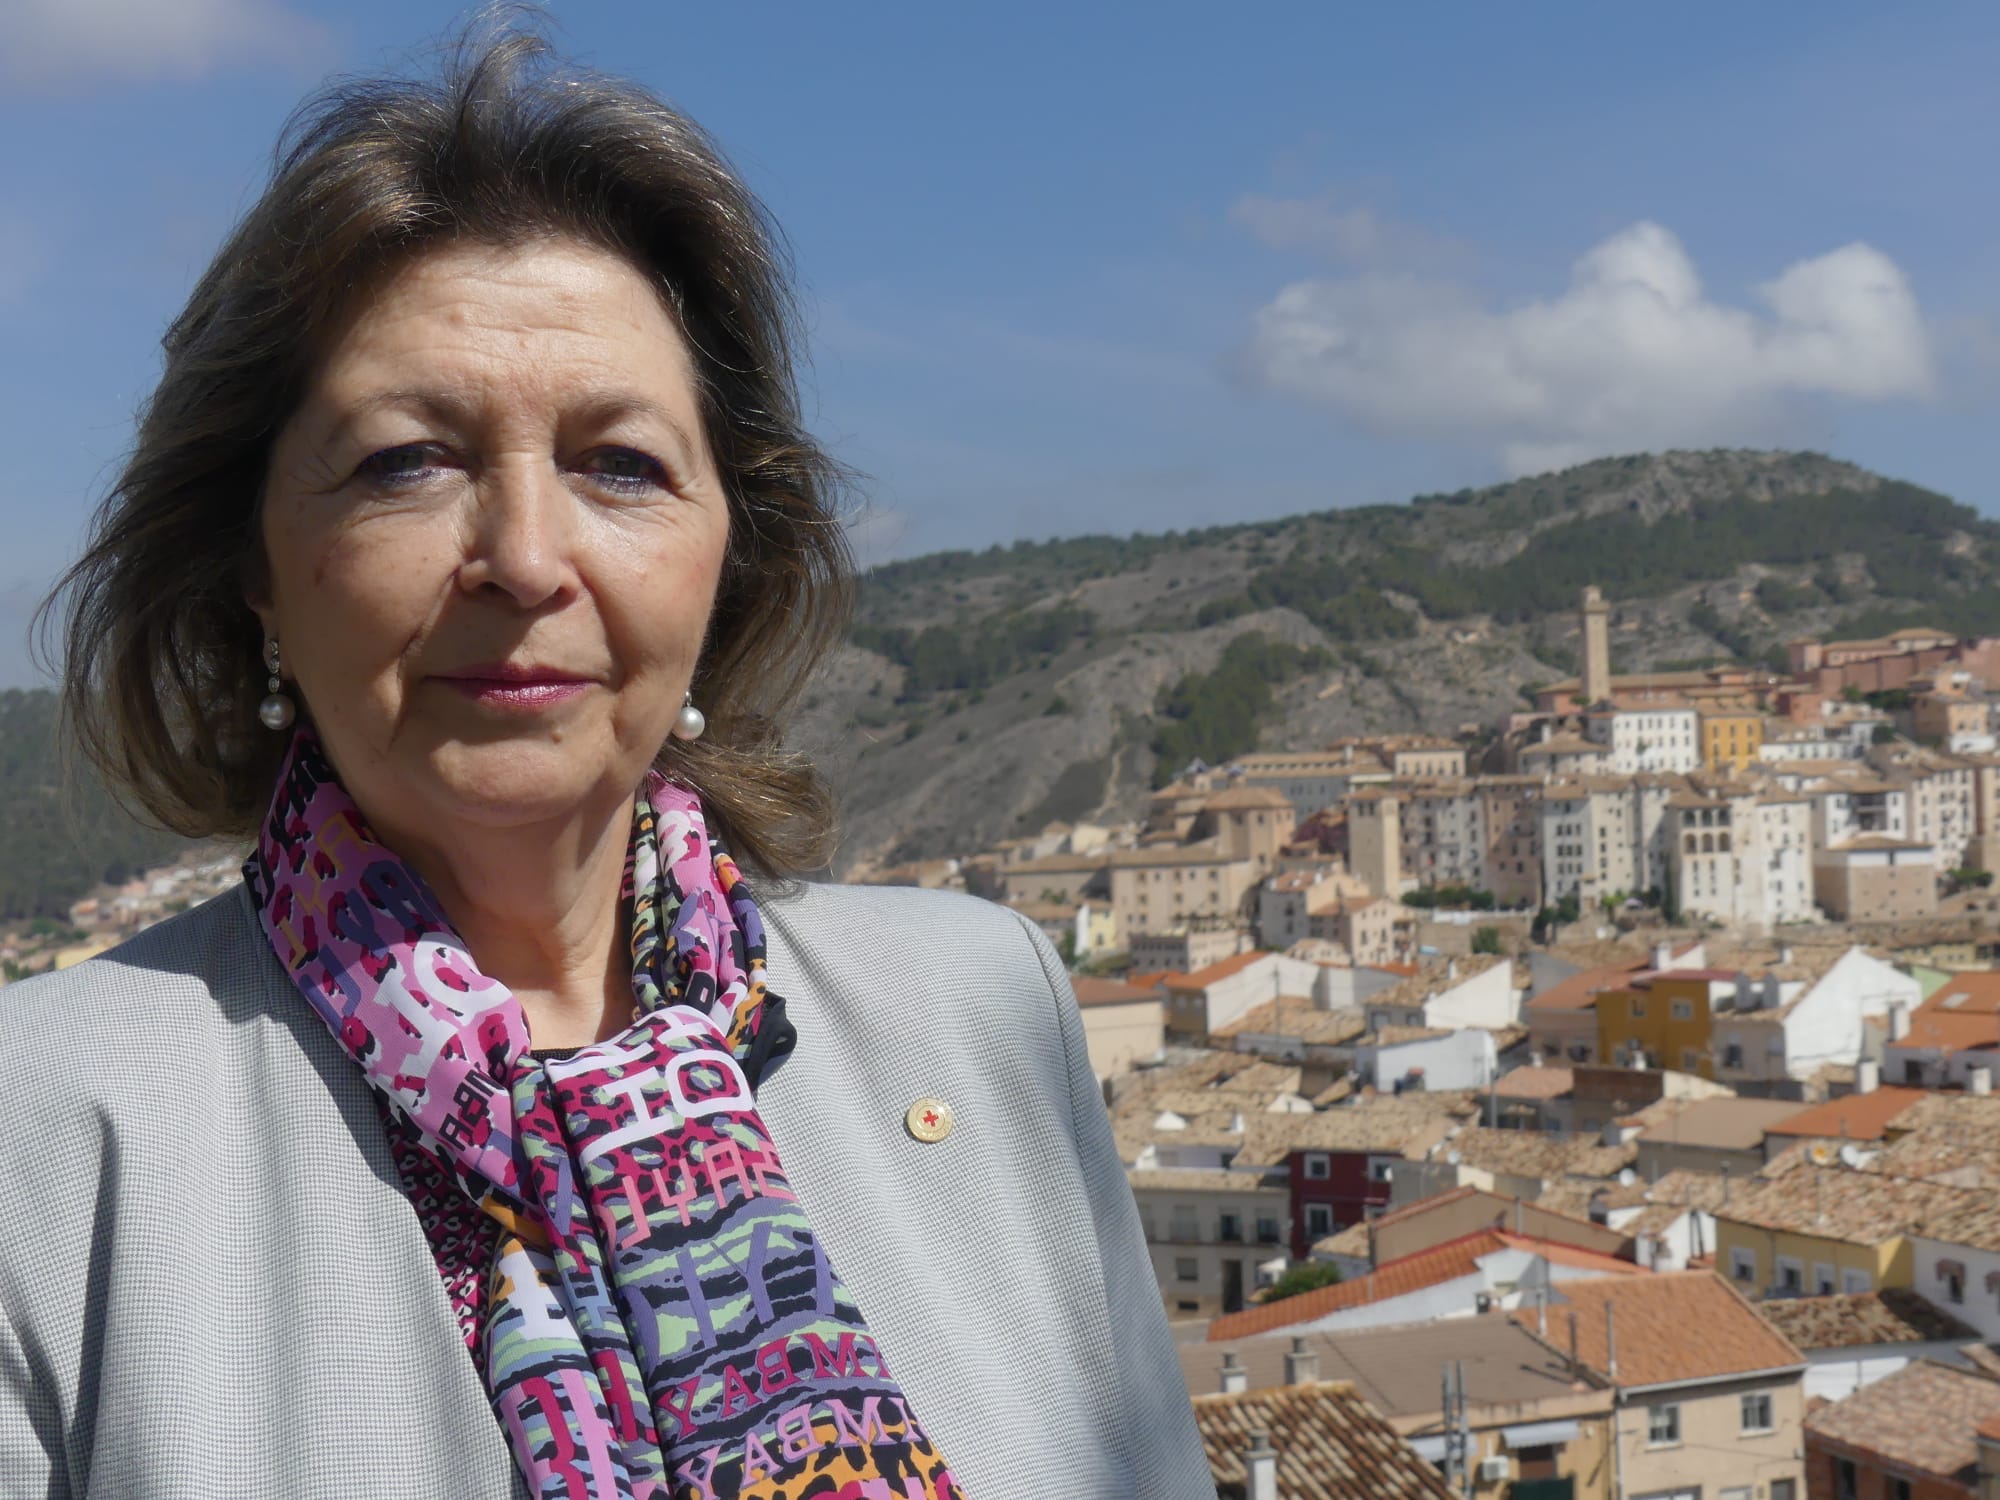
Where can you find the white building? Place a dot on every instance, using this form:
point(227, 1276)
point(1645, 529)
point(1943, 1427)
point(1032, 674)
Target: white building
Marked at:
point(1793, 1020)
point(1666, 737)
point(1428, 1061)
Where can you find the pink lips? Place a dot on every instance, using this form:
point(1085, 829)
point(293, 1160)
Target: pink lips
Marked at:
point(509, 687)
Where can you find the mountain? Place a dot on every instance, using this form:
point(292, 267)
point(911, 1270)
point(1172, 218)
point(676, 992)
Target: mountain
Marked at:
point(59, 834)
point(985, 693)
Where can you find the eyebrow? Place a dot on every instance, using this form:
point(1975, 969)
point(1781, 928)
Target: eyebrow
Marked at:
point(598, 408)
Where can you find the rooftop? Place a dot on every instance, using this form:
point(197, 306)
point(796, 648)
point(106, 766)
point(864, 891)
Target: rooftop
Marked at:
point(1396, 1368)
point(1833, 1203)
point(1580, 991)
point(1924, 1417)
point(1215, 973)
point(1856, 1117)
point(1434, 978)
point(1411, 1273)
point(1091, 992)
point(1718, 1124)
point(1331, 1445)
point(1536, 1083)
point(1295, 1016)
point(1672, 1326)
point(1895, 1315)
point(1534, 1153)
point(1200, 1180)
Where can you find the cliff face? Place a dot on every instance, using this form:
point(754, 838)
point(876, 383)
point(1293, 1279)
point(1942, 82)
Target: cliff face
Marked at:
point(984, 694)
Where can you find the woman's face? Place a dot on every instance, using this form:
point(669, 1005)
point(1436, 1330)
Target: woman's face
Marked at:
point(494, 535)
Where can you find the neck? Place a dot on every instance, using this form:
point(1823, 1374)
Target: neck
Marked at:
point(538, 908)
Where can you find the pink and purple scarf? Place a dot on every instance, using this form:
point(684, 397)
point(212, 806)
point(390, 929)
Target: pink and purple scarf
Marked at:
point(652, 1313)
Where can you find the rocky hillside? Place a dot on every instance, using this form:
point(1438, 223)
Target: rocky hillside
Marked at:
point(985, 693)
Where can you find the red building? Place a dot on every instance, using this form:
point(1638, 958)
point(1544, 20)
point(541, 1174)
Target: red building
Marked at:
point(1338, 1162)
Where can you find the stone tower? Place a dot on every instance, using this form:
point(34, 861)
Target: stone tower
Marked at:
point(1596, 647)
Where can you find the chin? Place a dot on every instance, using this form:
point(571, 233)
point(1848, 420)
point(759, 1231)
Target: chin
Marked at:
point(500, 786)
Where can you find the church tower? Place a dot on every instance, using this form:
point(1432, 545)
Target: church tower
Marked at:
point(1596, 647)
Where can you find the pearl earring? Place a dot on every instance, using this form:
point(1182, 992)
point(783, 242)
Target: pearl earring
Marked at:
point(276, 711)
point(690, 722)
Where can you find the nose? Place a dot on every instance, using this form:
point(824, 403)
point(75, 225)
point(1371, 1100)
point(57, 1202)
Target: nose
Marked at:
point(521, 535)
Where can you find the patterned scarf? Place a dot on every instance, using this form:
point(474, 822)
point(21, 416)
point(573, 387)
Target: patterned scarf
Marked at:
point(658, 1318)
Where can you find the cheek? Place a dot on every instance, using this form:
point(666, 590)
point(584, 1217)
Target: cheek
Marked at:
point(349, 597)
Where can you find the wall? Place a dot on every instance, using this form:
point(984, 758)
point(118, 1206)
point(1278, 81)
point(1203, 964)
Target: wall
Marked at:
point(1206, 1247)
point(1888, 1264)
point(1351, 1192)
point(1121, 1034)
point(1462, 1060)
point(1872, 1480)
point(1486, 999)
point(1981, 1307)
point(1652, 1024)
point(1714, 1454)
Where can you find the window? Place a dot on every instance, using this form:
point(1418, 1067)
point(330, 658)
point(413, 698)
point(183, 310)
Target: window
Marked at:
point(1954, 1287)
point(1899, 1489)
point(1743, 1266)
point(1791, 1276)
point(1683, 1010)
point(1378, 1171)
point(1319, 1220)
point(1638, 1006)
point(1187, 1307)
point(1690, 1060)
point(1268, 1232)
point(1187, 1226)
point(1232, 1227)
point(1822, 1279)
point(1319, 1166)
point(1756, 1411)
point(1663, 1426)
point(1186, 1268)
point(1784, 1489)
point(1732, 1055)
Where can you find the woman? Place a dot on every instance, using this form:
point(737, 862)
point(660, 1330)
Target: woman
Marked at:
point(470, 551)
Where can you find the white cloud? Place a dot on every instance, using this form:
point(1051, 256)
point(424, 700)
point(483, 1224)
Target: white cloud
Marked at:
point(49, 44)
point(1324, 226)
point(1632, 356)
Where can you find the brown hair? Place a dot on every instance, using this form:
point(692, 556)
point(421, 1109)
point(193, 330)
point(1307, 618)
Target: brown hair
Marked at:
point(161, 654)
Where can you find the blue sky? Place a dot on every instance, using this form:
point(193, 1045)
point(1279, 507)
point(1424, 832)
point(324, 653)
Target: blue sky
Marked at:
point(1074, 267)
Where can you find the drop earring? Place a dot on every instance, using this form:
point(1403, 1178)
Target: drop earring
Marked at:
point(690, 722)
point(276, 711)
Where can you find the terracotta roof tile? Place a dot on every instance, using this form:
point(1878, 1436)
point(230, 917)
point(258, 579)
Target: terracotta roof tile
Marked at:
point(1895, 1315)
point(1202, 978)
point(1536, 1083)
point(1833, 1203)
point(1672, 1326)
point(1294, 1016)
point(1925, 1417)
point(1580, 991)
point(1331, 1445)
point(1111, 992)
point(1411, 1273)
point(1858, 1117)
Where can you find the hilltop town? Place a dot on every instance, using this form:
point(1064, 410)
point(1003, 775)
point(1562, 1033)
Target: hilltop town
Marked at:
point(1630, 1064)
point(1595, 1104)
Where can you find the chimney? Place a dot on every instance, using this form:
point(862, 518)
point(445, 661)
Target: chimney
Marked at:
point(1899, 1021)
point(1260, 1466)
point(1301, 1364)
point(1663, 955)
point(1979, 1081)
point(1867, 1076)
point(1235, 1379)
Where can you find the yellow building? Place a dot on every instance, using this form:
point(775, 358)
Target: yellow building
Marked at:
point(1815, 1230)
point(1730, 737)
point(1662, 1020)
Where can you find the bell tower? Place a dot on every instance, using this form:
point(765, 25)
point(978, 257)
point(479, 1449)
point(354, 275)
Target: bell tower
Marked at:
point(1596, 647)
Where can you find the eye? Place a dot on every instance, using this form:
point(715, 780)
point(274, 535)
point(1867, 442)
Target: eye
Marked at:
point(401, 465)
point(625, 470)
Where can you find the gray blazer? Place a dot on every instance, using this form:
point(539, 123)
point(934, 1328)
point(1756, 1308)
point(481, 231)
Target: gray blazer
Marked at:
point(211, 1284)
